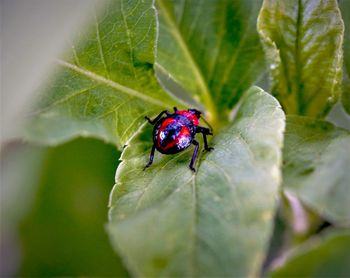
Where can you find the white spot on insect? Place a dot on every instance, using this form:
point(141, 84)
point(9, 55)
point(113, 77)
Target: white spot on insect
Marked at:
point(162, 135)
point(184, 141)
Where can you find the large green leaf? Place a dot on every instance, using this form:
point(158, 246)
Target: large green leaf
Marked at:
point(169, 221)
point(106, 84)
point(316, 166)
point(211, 48)
point(327, 256)
point(303, 45)
point(345, 9)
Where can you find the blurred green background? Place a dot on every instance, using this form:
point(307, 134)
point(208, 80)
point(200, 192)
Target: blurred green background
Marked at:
point(57, 208)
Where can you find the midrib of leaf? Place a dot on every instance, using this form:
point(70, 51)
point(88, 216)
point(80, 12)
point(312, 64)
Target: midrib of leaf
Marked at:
point(140, 199)
point(209, 103)
point(110, 83)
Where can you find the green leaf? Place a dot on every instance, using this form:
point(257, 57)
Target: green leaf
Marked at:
point(327, 256)
point(168, 221)
point(316, 166)
point(303, 45)
point(212, 49)
point(344, 6)
point(106, 84)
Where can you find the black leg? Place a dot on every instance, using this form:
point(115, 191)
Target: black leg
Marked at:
point(206, 147)
point(151, 156)
point(175, 109)
point(205, 131)
point(152, 122)
point(194, 156)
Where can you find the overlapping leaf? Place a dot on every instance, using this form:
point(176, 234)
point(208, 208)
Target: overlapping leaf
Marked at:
point(106, 85)
point(303, 44)
point(211, 48)
point(322, 257)
point(316, 166)
point(168, 221)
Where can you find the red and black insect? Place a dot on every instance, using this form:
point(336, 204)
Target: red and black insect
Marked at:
point(176, 132)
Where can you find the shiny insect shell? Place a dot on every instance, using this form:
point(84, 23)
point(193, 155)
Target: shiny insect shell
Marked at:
point(176, 132)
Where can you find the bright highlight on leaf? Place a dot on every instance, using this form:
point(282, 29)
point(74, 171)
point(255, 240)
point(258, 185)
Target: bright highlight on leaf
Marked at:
point(303, 45)
point(202, 224)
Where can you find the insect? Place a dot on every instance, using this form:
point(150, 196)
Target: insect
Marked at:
point(176, 132)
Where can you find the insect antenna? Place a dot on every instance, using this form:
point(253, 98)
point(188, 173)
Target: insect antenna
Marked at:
point(208, 124)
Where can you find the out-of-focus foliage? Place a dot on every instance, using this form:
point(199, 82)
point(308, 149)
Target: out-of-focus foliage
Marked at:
point(63, 233)
point(326, 256)
point(20, 171)
point(316, 166)
point(303, 44)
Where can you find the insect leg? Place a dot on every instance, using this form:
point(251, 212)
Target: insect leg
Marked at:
point(175, 109)
point(151, 156)
point(205, 131)
point(152, 122)
point(194, 156)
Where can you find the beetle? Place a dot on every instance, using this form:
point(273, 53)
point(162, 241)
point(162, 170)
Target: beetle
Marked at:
point(176, 132)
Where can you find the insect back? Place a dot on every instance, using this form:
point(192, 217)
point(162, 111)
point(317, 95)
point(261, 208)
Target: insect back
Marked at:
point(176, 132)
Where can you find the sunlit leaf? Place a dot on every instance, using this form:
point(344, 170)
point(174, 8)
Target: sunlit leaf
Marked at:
point(211, 48)
point(327, 256)
point(316, 166)
point(169, 221)
point(303, 45)
point(106, 84)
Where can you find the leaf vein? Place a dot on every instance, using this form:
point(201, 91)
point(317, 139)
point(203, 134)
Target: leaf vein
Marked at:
point(110, 83)
point(100, 49)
